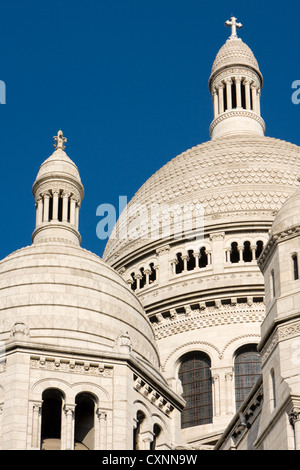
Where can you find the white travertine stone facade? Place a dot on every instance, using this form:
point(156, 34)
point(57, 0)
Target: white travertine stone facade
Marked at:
point(240, 178)
point(272, 422)
point(69, 326)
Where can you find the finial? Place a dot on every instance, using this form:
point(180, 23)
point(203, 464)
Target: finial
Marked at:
point(60, 141)
point(232, 22)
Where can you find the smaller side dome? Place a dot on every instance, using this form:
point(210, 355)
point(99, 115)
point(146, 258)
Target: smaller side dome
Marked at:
point(288, 215)
point(58, 193)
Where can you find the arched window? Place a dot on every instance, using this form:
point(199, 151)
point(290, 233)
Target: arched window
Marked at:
point(272, 389)
point(134, 283)
point(191, 261)
point(203, 257)
point(273, 292)
point(259, 248)
point(143, 278)
point(247, 252)
point(295, 267)
point(247, 370)
point(140, 417)
point(152, 276)
point(84, 433)
point(234, 254)
point(195, 376)
point(156, 434)
point(51, 419)
point(180, 264)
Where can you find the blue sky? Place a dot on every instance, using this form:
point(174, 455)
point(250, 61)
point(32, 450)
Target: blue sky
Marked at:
point(127, 82)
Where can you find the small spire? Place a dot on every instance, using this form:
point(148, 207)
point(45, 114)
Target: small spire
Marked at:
point(232, 22)
point(60, 141)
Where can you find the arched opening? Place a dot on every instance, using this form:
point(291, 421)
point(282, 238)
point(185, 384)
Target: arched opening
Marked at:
point(152, 276)
point(51, 419)
point(50, 214)
point(156, 434)
point(234, 253)
point(143, 278)
point(295, 267)
point(84, 431)
point(243, 95)
point(272, 390)
point(247, 252)
point(233, 95)
point(191, 263)
point(180, 265)
point(247, 370)
point(195, 376)
point(203, 257)
point(140, 417)
point(60, 208)
point(134, 283)
point(259, 248)
point(273, 290)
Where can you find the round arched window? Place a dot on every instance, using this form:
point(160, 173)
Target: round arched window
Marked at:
point(247, 370)
point(195, 376)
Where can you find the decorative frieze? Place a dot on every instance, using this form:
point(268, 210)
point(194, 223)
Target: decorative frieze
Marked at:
point(282, 332)
point(71, 366)
point(154, 396)
point(205, 317)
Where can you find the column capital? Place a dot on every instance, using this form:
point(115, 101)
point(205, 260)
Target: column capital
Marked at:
point(294, 415)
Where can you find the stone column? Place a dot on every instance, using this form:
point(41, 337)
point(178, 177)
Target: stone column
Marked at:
point(65, 197)
point(238, 92)
point(39, 210)
point(147, 273)
point(221, 98)
point(247, 94)
point(77, 215)
point(241, 251)
point(102, 435)
point(216, 104)
point(46, 197)
point(72, 210)
point(36, 413)
point(145, 440)
point(163, 263)
point(229, 397)
point(254, 97)
point(55, 204)
point(258, 101)
point(69, 440)
point(295, 422)
point(185, 259)
point(138, 278)
point(217, 404)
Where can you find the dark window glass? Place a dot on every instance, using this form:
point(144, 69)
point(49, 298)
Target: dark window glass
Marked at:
point(195, 376)
point(247, 370)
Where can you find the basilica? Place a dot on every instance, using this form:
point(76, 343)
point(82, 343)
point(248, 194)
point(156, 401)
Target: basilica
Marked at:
point(174, 339)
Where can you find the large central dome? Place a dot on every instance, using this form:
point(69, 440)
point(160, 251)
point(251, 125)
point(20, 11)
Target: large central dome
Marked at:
point(238, 179)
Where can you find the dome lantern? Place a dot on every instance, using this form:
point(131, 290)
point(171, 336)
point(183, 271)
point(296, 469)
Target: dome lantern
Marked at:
point(235, 85)
point(58, 192)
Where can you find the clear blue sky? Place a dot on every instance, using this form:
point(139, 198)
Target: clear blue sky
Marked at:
point(127, 82)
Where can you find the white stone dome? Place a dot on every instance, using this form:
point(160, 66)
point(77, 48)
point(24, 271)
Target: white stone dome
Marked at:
point(288, 215)
point(60, 166)
point(66, 297)
point(236, 179)
point(234, 53)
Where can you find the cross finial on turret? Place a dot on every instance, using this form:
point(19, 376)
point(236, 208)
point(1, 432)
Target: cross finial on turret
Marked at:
point(60, 141)
point(232, 22)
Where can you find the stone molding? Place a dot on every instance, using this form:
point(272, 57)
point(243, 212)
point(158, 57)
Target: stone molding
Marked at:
point(272, 243)
point(237, 113)
point(208, 317)
point(71, 366)
point(156, 398)
point(281, 333)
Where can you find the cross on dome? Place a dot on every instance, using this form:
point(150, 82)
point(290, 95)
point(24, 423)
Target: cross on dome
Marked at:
point(60, 141)
point(232, 22)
